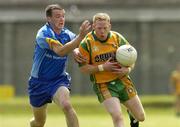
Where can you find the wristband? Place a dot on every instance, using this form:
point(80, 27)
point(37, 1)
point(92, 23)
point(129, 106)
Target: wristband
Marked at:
point(100, 67)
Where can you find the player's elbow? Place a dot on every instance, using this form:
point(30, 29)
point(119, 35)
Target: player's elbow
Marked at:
point(60, 52)
point(141, 117)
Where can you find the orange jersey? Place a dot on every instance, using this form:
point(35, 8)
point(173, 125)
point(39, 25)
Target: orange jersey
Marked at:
point(176, 81)
point(98, 52)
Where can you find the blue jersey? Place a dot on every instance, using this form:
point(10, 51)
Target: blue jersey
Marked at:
point(47, 65)
point(48, 70)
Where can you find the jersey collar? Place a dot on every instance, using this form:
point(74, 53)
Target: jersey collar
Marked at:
point(96, 38)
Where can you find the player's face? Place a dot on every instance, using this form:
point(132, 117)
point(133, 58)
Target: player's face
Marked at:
point(101, 28)
point(57, 20)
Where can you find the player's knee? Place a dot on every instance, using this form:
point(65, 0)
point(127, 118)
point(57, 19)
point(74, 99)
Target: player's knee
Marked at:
point(66, 105)
point(117, 117)
point(35, 123)
point(141, 117)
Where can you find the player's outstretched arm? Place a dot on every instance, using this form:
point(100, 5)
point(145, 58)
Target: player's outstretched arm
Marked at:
point(68, 47)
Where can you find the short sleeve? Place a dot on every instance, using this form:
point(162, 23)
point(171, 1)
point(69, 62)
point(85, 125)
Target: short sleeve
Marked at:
point(121, 39)
point(41, 41)
point(72, 35)
point(83, 48)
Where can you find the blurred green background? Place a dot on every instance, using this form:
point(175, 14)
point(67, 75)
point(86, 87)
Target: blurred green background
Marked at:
point(159, 113)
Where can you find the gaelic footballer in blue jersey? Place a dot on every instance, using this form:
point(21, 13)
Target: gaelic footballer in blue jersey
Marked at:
point(49, 80)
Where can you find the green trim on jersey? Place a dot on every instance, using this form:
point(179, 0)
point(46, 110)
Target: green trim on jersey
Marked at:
point(90, 51)
point(120, 39)
point(123, 40)
point(92, 76)
point(84, 46)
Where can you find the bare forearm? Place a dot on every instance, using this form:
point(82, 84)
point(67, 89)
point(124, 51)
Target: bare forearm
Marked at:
point(68, 47)
point(89, 69)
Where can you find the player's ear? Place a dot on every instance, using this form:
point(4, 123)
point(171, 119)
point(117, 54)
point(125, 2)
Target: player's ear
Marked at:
point(48, 19)
point(93, 26)
point(110, 26)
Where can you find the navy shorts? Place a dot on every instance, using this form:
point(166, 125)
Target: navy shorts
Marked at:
point(41, 92)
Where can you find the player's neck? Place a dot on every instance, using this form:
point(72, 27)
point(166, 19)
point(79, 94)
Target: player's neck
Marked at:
point(57, 31)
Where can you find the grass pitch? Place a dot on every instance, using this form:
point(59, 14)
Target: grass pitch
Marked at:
point(16, 112)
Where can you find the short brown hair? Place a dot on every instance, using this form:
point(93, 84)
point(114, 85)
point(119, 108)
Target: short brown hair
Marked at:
point(52, 7)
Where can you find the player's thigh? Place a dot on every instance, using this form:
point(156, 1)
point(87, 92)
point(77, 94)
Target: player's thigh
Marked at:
point(62, 96)
point(40, 113)
point(112, 105)
point(135, 106)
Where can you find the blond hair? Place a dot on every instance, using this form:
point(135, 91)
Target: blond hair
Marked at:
point(101, 16)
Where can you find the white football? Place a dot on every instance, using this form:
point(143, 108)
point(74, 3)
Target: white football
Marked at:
point(126, 55)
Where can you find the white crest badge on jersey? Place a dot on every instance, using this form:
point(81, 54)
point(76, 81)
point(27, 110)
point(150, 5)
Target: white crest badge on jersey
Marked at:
point(95, 49)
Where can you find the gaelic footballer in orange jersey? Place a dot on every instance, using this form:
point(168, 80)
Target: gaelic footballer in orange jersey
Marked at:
point(175, 81)
point(111, 82)
point(98, 52)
